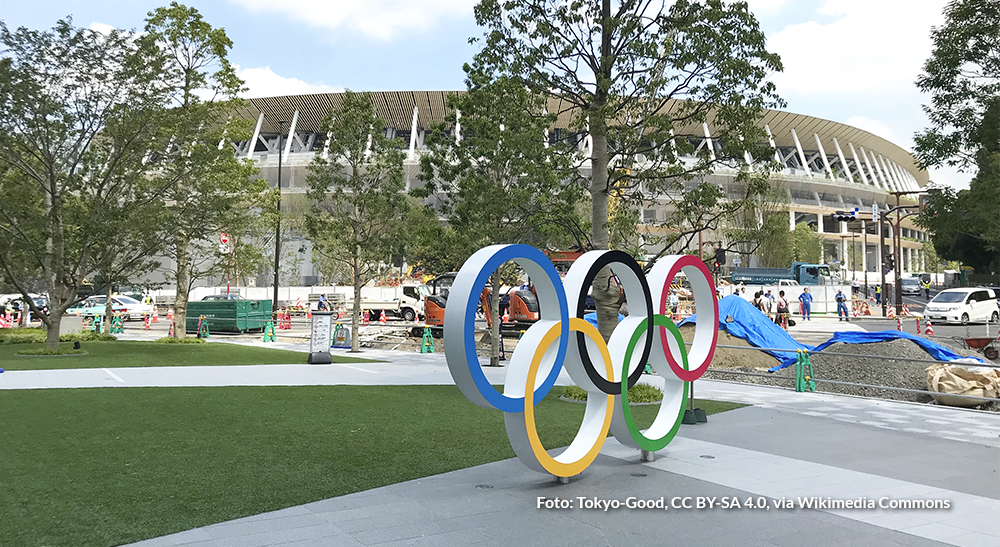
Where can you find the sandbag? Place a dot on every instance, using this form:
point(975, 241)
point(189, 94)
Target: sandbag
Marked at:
point(959, 380)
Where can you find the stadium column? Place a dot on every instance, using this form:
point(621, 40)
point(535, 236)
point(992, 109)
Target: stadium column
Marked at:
point(413, 135)
point(770, 139)
point(802, 154)
point(843, 160)
point(858, 165)
point(876, 176)
point(256, 135)
point(708, 141)
point(822, 152)
point(291, 133)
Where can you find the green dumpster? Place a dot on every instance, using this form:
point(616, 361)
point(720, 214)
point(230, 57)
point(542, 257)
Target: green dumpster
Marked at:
point(236, 316)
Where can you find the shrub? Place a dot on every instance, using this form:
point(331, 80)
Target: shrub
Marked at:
point(188, 340)
point(44, 351)
point(640, 393)
point(37, 336)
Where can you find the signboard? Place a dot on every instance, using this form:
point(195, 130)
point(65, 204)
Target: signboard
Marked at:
point(320, 338)
point(874, 212)
point(225, 244)
point(737, 261)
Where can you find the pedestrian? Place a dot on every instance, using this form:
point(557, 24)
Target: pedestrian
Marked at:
point(770, 302)
point(927, 291)
point(781, 315)
point(878, 294)
point(855, 287)
point(842, 307)
point(806, 300)
point(675, 301)
point(321, 305)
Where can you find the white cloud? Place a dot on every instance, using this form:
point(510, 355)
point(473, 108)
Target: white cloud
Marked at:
point(379, 19)
point(263, 82)
point(101, 27)
point(871, 46)
point(877, 127)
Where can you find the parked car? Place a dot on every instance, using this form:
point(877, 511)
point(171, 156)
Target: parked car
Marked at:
point(911, 286)
point(94, 306)
point(964, 306)
point(233, 296)
point(136, 309)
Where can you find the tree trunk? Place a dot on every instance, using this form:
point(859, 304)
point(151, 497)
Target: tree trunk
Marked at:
point(183, 279)
point(605, 292)
point(356, 312)
point(495, 336)
point(108, 309)
point(52, 334)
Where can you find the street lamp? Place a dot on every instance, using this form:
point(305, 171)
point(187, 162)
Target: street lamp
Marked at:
point(277, 225)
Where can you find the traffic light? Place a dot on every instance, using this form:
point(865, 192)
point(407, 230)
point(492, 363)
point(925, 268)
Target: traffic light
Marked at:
point(846, 216)
point(890, 263)
point(717, 267)
point(720, 257)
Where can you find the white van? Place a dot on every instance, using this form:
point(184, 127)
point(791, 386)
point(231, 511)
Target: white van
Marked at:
point(963, 306)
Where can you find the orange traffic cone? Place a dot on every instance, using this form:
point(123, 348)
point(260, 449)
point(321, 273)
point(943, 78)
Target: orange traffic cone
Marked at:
point(930, 329)
point(170, 313)
point(381, 318)
point(506, 316)
point(156, 316)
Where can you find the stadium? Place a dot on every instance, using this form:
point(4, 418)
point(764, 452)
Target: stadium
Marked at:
point(826, 167)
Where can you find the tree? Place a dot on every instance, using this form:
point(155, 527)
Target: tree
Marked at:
point(962, 76)
point(78, 112)
point(212, 190)
point(637, 78)
point(356, 193)
point(500, 182)
point(776, 246)
point(807, 245)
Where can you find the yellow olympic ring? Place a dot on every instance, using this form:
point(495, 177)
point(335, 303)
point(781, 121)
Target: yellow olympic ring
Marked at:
point(576, 457)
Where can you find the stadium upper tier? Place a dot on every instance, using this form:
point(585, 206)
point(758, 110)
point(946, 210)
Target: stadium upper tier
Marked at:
point(811, 150)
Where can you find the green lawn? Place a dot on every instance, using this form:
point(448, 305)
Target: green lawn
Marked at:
point(82, 467)
point(151, 354)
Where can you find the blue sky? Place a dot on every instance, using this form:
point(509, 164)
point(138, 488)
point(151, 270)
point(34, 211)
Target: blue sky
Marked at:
point(852, 61)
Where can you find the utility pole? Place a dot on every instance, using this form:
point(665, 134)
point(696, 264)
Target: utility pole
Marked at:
point(864, 253)
point(277, 227)
point(898, 246)
point(881, 261)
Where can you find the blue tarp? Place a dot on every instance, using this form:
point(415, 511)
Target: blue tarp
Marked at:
point(742, 320)
point(936, 351)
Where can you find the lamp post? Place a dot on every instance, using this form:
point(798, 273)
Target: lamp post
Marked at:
point(277, 225)
point(898, 290)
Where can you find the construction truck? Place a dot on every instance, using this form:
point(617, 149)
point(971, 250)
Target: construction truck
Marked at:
point(404, 301)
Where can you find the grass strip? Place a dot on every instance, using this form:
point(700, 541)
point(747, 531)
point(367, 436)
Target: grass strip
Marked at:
point(99, 467)
point(151, 354)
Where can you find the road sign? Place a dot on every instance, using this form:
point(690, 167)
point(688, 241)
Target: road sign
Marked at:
point(874, 212)
point(737, 261)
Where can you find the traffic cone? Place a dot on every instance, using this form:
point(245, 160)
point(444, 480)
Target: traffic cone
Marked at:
point(381, 318)
point(309, 314)
point(930, 329)
point(366, 318)
point(170, 313)
point(156, 316)
point(145, 321)
point(891, 313)
point(506, 316)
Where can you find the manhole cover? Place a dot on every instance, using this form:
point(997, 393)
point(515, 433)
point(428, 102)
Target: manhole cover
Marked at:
point(484, 486)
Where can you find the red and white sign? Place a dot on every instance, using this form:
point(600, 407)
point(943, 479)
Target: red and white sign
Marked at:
point(225, 245)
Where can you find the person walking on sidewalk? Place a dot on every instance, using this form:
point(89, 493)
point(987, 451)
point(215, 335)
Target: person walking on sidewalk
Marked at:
point(842, 307)
point(781, 313)
point(806, 300)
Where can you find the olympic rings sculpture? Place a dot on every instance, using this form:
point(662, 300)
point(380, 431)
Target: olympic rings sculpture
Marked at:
point(561, 337)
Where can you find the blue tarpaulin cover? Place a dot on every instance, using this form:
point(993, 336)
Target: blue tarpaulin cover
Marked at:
point(748, 323)
point(936, 351)
point(592, 318)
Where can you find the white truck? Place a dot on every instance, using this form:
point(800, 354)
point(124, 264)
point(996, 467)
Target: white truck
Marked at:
point(404, 301)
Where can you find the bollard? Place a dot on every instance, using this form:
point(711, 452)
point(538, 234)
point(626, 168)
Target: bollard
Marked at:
point(918, 326)
point(803, 372)
point(203, 327)
point(427, 344)
point(171, 333)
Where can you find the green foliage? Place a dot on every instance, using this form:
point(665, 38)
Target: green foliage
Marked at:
point(806, 244)
point(356, 193)
point(169, 340)
point(639, 393)
point(962, 77)
point(49, 352)
point(79, 111)
point(37, 336)
point(776, 248)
